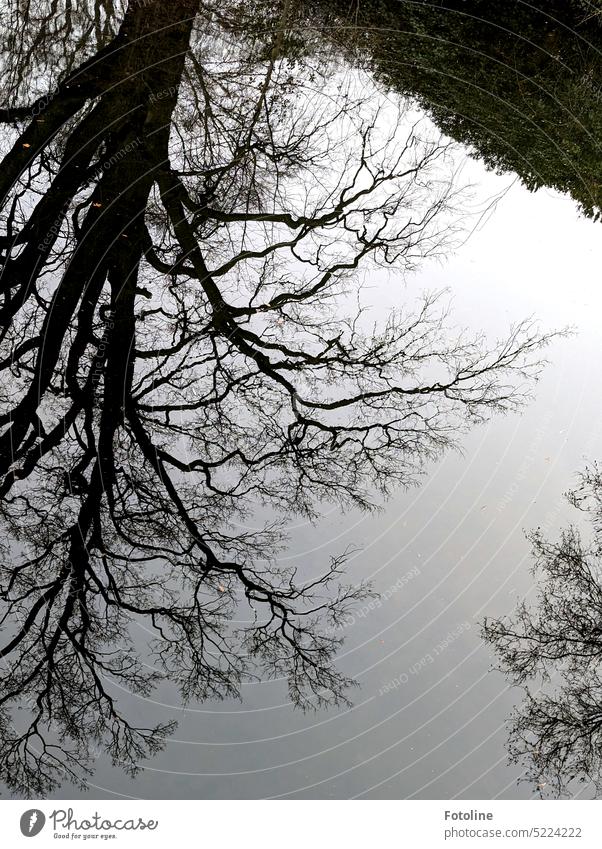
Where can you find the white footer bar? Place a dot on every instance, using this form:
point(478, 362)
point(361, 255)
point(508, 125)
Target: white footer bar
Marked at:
point(308, 824)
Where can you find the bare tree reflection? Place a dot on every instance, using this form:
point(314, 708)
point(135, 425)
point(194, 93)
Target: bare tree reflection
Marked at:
point(554, 649)
point(184, 220)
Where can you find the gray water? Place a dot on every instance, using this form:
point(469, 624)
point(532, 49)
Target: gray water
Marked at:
point(429, 715)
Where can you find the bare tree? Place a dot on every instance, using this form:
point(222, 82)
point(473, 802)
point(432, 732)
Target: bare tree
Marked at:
point(554, 649)
point(185, 220)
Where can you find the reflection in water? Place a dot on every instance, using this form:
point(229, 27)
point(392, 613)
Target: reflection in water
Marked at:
point(557, 731)
point(519, 85)
point(185, 339)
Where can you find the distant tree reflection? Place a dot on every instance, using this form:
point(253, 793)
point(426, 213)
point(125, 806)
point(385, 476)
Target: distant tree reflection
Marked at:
point(554, 649)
